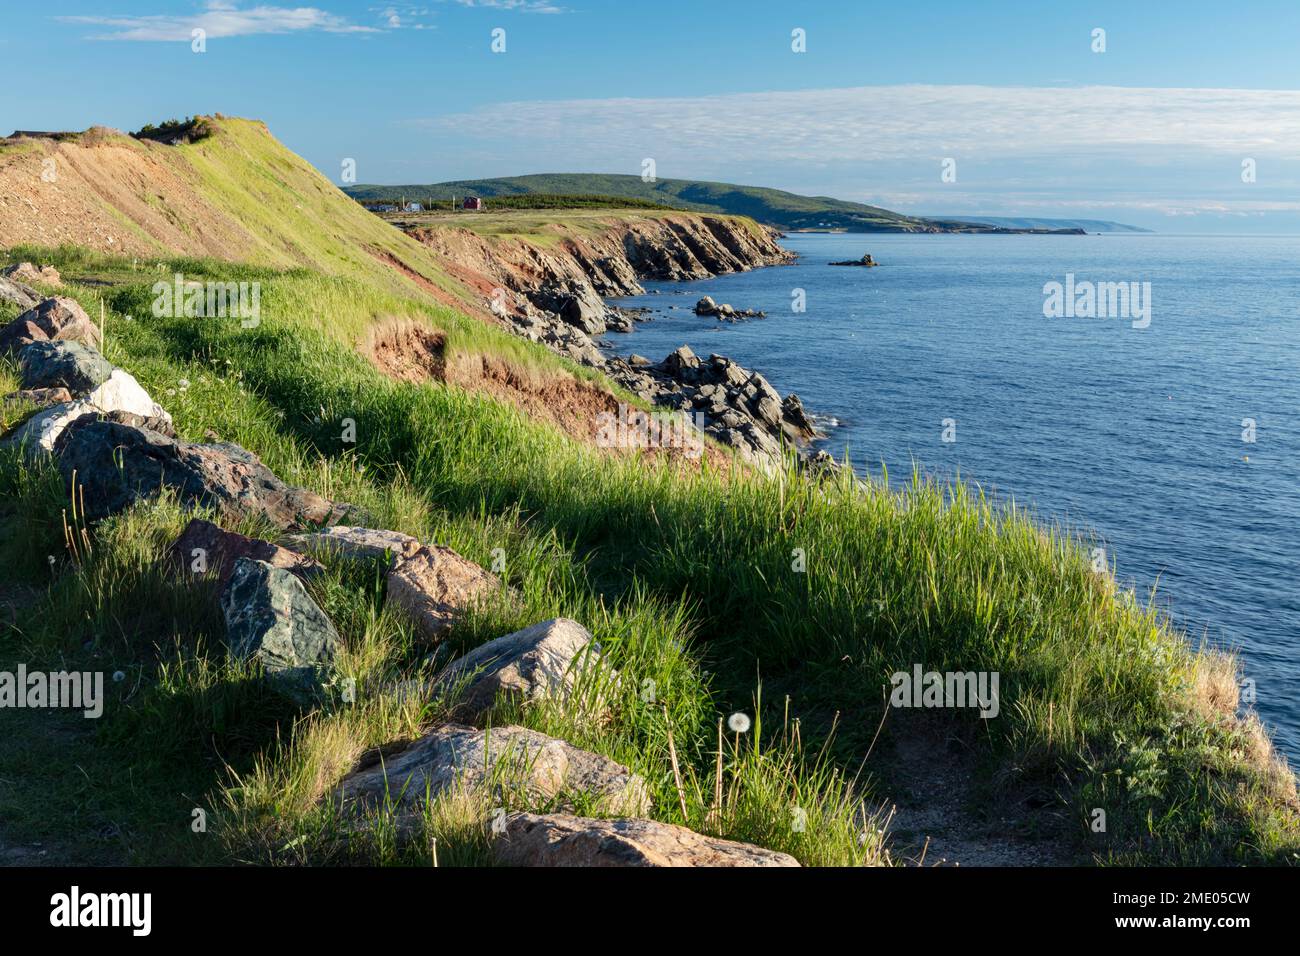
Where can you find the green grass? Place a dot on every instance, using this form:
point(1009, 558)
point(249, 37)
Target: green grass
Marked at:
point(686, 578)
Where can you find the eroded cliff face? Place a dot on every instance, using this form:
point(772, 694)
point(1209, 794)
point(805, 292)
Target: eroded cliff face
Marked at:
point(569, 272)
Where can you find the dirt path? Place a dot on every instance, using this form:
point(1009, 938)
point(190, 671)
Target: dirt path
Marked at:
point(931, 778)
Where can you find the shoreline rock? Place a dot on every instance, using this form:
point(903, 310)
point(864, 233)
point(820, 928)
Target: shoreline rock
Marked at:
point(866, 262)
point(706, 306)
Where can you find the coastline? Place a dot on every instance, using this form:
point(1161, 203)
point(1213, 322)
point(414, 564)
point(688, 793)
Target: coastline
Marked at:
point(564, 296)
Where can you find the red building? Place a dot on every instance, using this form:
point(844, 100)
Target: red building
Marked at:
point(472, 202)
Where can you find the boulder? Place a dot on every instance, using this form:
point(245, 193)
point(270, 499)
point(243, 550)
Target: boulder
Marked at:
point(680, 360)
point(71, 365)
point(272, 619)
point(435, 585)
point(58, 318)
point(117, 465)
point(18, 294)
point(540, 661)
point(557, 839)
point(208, 550)
point(42, 397)
point(26, 272)
point(706, 306)
point(356, 544)
point(456, 757)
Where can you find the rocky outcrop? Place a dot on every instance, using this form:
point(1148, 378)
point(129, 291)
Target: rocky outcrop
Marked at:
point(115, 465)
point(737, 407)
point(206, 549)
point(527, 283)
point(435, 586)
point(866, 261)
point(528, 839)
point(725, 312)
point(119, 395)
point(455, 757)
point(544, 660)
point(270, 618)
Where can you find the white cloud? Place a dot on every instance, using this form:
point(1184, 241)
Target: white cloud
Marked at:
point(520, 6)
point(902, 122)
point(220, 18)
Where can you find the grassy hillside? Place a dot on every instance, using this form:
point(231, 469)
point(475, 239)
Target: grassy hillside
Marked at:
point(1017, 222)
point(237, 195)
point(786, 597)
point(771, 206)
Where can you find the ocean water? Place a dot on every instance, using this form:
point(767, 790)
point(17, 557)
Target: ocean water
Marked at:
point(1133, 434)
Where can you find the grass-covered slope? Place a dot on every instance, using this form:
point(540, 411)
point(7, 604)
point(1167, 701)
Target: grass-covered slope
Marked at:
point(770, 206)
point(687, 577)
point(238, 195)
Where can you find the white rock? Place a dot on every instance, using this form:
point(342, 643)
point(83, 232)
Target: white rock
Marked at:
point(122, 393)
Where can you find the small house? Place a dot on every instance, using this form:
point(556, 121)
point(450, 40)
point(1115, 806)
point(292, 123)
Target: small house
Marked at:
point(472, 202)
point(414, 207)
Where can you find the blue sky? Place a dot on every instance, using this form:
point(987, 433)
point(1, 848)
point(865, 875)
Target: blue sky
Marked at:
point(1152, 131)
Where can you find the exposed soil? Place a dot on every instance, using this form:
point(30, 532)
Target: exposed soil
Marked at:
point(407, 351)
point(410, 352)
point(934, 823)
point(112, 194)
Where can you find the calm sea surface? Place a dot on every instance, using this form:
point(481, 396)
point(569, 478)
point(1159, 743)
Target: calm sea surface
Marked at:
point(1134, 434)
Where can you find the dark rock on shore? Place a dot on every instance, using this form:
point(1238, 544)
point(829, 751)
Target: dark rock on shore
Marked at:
point(866, 260)
point(706, 306)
